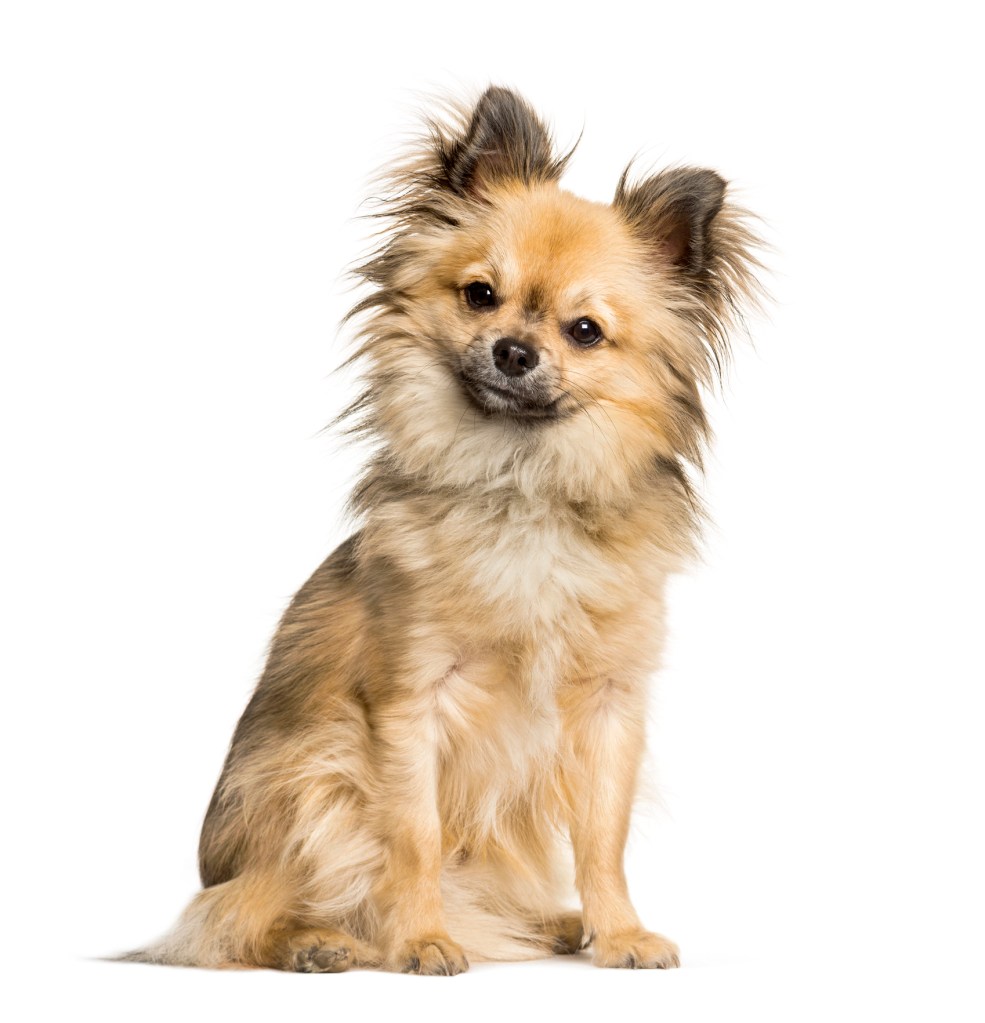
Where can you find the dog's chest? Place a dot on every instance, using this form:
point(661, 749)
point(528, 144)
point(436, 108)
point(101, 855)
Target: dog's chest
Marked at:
point(529, 598)
point(537, 569)
point(499, 744)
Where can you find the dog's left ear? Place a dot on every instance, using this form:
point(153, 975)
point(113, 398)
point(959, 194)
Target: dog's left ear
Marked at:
point(673, 212)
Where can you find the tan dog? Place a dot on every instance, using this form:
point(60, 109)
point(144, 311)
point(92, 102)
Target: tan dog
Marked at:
point(462, 684)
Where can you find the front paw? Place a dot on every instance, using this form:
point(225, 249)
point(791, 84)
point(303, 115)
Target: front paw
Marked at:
point(435, 956)
point(635, 950)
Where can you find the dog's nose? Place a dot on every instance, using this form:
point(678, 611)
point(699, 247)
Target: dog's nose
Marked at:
point(513, 358)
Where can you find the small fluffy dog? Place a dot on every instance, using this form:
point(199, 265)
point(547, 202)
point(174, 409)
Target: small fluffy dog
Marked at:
point(461, 687)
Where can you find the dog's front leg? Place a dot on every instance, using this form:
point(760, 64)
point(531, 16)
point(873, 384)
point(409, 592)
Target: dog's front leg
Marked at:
point(409, 889)
point(604, 733)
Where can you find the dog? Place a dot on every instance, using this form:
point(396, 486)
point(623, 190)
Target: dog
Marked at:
point(454, 702)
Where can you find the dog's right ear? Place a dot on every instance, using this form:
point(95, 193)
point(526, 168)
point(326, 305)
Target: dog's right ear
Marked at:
point(504, 140)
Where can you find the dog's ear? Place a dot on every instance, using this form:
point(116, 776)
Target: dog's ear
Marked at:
point(673, 212)
point(504, 139)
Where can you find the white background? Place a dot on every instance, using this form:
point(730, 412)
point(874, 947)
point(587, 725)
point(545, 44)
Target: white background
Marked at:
point(179, 190)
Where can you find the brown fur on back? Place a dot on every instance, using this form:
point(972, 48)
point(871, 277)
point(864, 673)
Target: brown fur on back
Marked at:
point(457, 695)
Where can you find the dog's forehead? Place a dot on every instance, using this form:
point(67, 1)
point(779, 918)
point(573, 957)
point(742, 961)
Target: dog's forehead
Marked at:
point(548, 246)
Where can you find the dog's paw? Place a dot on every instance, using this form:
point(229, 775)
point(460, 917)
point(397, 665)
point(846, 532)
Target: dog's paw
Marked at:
point(434, 956)
point(321, 959)
point(566, 933)
point(325, 951)
point(635, 950)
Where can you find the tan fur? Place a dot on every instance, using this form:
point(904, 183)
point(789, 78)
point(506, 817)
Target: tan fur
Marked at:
point(461, 687)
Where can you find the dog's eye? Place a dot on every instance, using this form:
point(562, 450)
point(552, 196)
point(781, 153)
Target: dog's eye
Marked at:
point(586, 332)
point(480, 295)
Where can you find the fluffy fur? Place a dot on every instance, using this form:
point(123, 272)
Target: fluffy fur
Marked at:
point(460, 689)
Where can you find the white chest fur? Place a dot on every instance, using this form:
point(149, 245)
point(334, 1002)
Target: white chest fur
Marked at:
point(527, 559)
point(508, 593)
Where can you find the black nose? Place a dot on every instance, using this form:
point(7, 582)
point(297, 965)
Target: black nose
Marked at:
point(513, 358)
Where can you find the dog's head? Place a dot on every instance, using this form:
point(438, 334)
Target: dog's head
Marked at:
point(518, 329)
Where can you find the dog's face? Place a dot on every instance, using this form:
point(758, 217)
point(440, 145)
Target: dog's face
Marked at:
point(542, 305)
point(519, 317)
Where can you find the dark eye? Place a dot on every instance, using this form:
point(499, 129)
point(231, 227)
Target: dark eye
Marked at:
point(479, 295)
point(586, 332)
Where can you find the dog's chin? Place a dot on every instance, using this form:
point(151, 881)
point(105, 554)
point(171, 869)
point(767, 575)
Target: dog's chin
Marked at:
point(501, 401)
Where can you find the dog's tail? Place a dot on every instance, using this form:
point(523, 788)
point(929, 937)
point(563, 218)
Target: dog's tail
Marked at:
point(227, 925)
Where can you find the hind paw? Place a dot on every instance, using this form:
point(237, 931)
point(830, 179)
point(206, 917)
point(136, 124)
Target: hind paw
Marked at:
point(566, 933)
point(319, 959)
point(317, 951)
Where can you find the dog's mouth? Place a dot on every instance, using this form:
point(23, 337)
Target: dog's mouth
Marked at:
point(519, 404)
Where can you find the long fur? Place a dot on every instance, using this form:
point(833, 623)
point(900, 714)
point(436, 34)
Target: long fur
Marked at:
point(455, 699)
